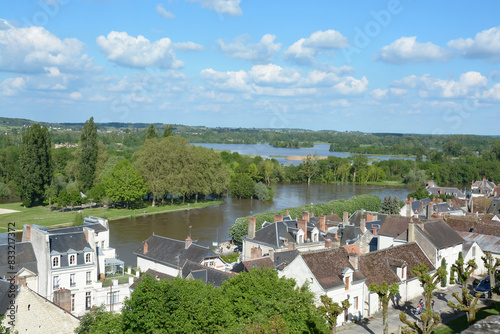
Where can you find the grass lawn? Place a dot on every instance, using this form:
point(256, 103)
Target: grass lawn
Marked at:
point(40, 215)
point(459, 324)
point(387, 183)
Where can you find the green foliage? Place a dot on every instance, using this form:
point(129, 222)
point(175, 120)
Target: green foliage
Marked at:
point(331, 310)
point(124, 184)
point(491, 264)
point(390, 205)
point(100, 321)
point(415, 178)
point(88, 151)
point(263, 192)
point(367, 202)
point(78, 221)
point(385, 294)
point(419, 194)
point(4, 191)
point(151, 133)
point(168, 131)
point(443, 278)
point(241, 185)
point(35, 165)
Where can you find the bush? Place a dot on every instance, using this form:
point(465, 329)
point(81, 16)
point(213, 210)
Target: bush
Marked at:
point(4, 191)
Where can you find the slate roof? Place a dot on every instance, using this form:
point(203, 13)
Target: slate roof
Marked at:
point(282, 259)
point(332, 219)
point(494, 206)
point(247, 265)
point(206, 274)
point(444, 208)
point(25, 258)
point(173, 252)
point(446, 190)
point(74, 229)
point(376, 266)
point(394, 225)
point(63, 242)
point(440, 233)
point(486, 242)
point(154, 274)
point(328, 265)
point(275, 233)
point(4, 295)
point(355, 218)
point(349, 234)
point(420, 205)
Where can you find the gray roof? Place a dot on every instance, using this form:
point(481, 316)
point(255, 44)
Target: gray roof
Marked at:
point(440, 233)
point(284, 258)
point(25, 258)
point(4, 295)
point(415, 205)
point(489, 243)
point(173, 252)
point(274, 234)
point(208, 275)
point(446, 190)
point(65, 241)
point(444, 208)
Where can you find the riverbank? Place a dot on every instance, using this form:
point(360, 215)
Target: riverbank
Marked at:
point(40, 215)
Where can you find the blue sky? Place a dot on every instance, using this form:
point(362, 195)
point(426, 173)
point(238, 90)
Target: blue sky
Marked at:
point(370, 66)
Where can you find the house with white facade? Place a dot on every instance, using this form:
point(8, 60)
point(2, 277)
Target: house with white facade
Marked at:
point(331, 272)
point(167, 255)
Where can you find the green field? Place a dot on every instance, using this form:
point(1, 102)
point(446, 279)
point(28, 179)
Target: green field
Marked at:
point(40, 215)
point(459, 324)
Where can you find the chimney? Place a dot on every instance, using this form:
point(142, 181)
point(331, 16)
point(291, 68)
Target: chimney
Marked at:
point(484, 179)
point(287, 213)
point(336, 241)
point(430, 211)
point(305, 216)
point(374, 230)
point(188, 242)
point(411, 231)
point(278, 218)
point(251, 227)
point(27, 233)
point(472, 181)
point(86, 234)
point(291, 245)
point(322, 223)
point(440, 191)
point(256, 252)
point(271, 254)
point(302, 225)
point(369, 217)
point(145, 247)
point(354, 260)
point(328, 243)
point(362, 225)
point(408, 209)
point(345, 218)
point(415, 215)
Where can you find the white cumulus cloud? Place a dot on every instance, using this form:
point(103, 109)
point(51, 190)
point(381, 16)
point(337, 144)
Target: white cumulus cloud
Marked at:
point(188, 46)
point(408, 50)
point(163, 12)
point(139, 52)
point(260, 53)
point(229, 7)
point(485, 45)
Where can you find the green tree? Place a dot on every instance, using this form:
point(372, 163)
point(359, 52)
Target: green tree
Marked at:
point(151, 133)
point(50, 193)
point(99, 321)
point(97, 193)
point(5, 191)
point(390, 205)
point(466, 302)
point(35, 165)
point(358, 162)
point(310, 166)
point(491, 264)
point(262, 192)
point(419, 194)
point(385, 294)
point(429, 319)
point(124, 184)
point(168, 131)
point(443, 279)
point(88, 151)
point(242, 185)
point(330, 311)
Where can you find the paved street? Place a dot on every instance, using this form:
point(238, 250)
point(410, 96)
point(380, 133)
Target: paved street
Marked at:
point(374, 326)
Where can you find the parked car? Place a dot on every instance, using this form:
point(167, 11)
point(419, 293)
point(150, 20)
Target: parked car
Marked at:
point(484, 287)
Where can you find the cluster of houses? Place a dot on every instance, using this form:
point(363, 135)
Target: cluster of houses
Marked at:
point(63, 273)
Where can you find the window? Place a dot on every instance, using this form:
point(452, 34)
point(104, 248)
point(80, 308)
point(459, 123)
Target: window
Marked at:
point(72, 281)
point(102, 244)
point(89, 277)
point(473, 251)
point(72, 303)
point(355, 303)
point(88, 258)
point(72, 260)
point(87, 300)
point(113, 297)
point(55, 261)
point(347, 283)
point(55, 282)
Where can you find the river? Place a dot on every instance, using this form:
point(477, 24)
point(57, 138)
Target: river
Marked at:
point(211, 224)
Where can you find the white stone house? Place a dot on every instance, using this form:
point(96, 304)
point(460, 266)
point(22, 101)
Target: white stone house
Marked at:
point(331, 272)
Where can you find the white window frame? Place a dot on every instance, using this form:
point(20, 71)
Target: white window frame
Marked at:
point(89, 256)
point(72, 280)
point(55, 282)
point(115, 295)
point(56, 262)
point(73, 302)
point(88, 300)
point(88, 277)
point(72, 256)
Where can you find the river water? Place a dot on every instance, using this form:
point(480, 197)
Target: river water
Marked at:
point(211, 224)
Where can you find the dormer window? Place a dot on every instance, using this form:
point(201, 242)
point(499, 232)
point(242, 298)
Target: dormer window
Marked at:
point(88, 257)
point(72, 259)
point(55, 262)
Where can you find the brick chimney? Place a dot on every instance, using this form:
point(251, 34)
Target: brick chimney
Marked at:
point(145, 247)
point(255, 252)
point(354, 260)
point(440, 191)
point(328, 243)
point(302, 225)
point(345, 218)
point(86, 232)
point(374, 230)
point(362, 225)
point(62, 297)
point(27, 233)
point(278, 218)
point(411, 231)
point(336, 241)
point(188, 242)
point(251, 227)
point(484, 179)
point(369, 217)
point(322, 223)
point(291, 245)
point(305, 216)
point(287, 213)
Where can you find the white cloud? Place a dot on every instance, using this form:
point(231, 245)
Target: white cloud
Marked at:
point(75, 95)
point(163, 12)
point(226, 81)
point(493, 93)
point(139, 52)
point(380, 94)
point(485, 45)
point(305, 50)
point(12, 86)
point(229, 7)
point(188, 46)
point(32, 49)
point(352, 86)
point(408, 50)
point(469, 84)
point(273, 75)
point(260, 53)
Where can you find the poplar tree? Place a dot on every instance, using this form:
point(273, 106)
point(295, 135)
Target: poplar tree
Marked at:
point(87, 160)
point(168, 131)
point(151, 133)
point(35, 165)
